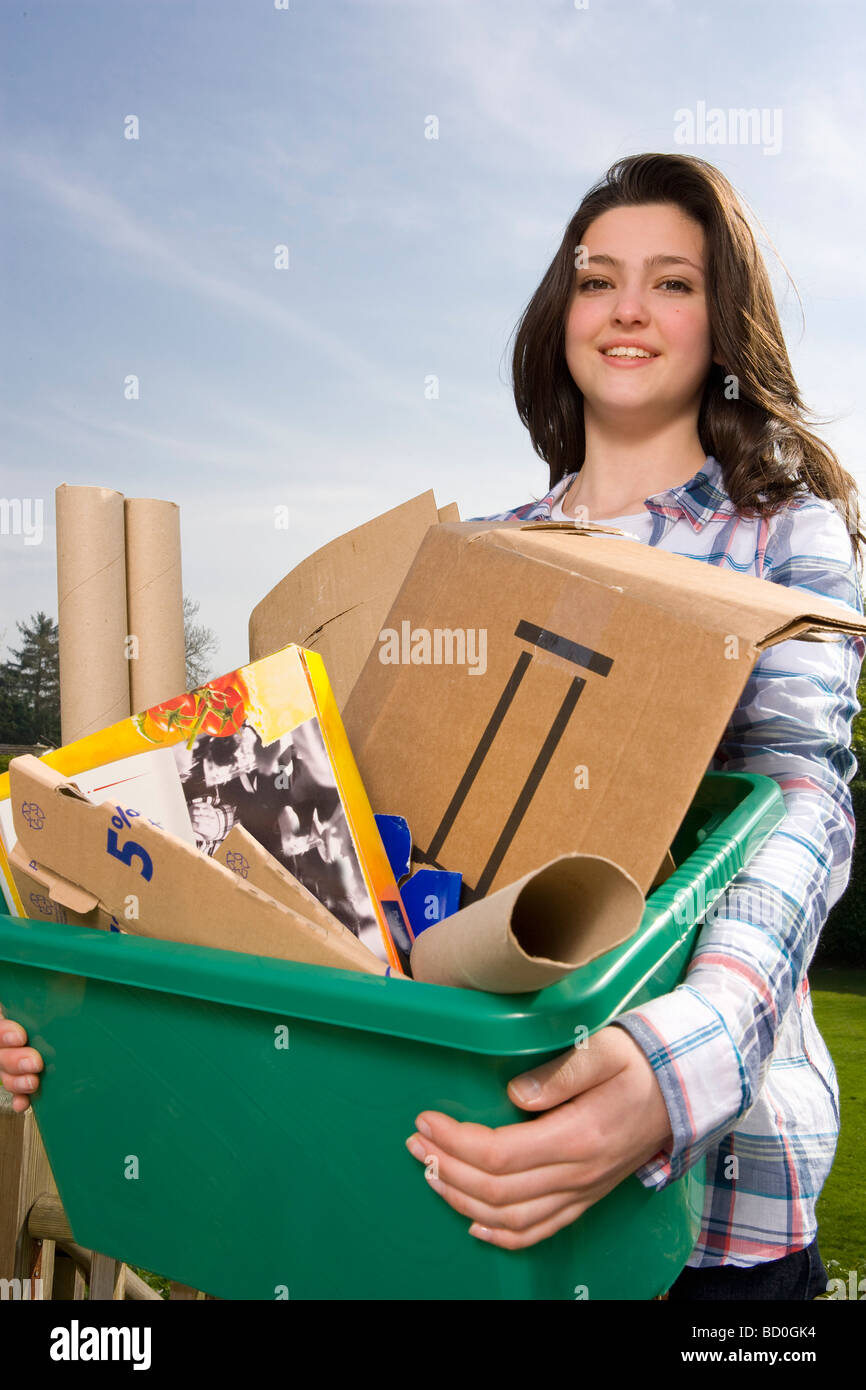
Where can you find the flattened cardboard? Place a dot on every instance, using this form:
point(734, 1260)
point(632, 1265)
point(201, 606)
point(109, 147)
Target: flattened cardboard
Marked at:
point(611, 670)
point(177, 893)
point(335, 600)
point(243, 855)
point(48, 898)
point(534, 932)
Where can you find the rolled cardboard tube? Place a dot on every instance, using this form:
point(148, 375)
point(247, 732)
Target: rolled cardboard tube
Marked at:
point(535, 931)
point(154, 595)
point(91, 602)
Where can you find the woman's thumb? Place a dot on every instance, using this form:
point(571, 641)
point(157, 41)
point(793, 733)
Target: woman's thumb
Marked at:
point(586, 1064)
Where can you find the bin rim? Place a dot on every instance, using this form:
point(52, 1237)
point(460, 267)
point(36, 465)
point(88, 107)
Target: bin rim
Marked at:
point(468, 1020)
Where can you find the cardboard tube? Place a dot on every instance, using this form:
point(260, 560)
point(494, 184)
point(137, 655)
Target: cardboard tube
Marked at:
point(534, 932)
point(154, 589)
point(91, 601)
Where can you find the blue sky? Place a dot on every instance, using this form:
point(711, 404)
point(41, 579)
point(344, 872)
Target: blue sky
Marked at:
point(408, 256)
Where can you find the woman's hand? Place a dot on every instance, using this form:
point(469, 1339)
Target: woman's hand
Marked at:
point(18, 1063)
point(521, 1183)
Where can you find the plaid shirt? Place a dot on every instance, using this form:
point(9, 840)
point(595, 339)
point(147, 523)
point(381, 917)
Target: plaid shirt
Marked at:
point(746, 1075)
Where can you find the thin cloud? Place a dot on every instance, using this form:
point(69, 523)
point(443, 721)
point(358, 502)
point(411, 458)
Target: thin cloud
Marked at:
point(106, 222)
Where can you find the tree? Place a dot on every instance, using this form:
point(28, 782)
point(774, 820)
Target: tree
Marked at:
point(200, 642)
point(16, 722)
point(32, 680)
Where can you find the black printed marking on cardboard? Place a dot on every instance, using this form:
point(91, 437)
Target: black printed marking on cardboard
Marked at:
point(481, 750)
point(557, 645)
point(529, 788)
point(563, 646)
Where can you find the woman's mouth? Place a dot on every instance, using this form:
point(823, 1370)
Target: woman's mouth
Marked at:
point(628, 356)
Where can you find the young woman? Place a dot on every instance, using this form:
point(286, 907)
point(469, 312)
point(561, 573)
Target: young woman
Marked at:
point(651, 373)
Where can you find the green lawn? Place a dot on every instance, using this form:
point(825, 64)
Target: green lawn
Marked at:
point(839, 1001)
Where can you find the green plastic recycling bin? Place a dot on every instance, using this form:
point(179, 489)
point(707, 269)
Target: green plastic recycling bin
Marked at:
point(238, 1123)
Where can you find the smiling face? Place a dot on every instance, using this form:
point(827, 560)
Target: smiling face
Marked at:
point(660, 306)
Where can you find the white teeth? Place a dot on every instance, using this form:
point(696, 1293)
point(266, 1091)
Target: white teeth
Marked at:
point(628, 352)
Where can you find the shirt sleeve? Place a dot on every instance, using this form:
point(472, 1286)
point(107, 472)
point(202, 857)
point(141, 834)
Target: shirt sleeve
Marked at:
point(710, 1041)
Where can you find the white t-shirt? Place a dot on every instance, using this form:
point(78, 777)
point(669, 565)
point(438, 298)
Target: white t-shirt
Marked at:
point(638, 524)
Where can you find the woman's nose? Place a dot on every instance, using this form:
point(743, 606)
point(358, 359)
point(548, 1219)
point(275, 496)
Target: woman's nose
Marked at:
point(630, 311)
point(629, 305)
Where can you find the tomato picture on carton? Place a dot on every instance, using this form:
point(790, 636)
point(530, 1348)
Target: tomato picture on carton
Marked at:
point(218, 708)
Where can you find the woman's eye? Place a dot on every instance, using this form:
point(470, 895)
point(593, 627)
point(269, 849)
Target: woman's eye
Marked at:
point(596, 280)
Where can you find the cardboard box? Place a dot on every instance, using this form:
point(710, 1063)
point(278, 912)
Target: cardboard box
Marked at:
point(263, 747)
point(101, 859)
point(336, 600)
point(543, 688)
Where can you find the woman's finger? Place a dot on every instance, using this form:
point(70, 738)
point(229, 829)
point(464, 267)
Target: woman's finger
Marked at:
point(520, 1240)
point(558, 1135)
point(19, 1059)
point(11, 1033)
point(496, 1189)
point(19, 1084)
point(520, 1216)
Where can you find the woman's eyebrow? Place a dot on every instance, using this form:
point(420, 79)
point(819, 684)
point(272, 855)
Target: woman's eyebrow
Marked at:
point(649, 262)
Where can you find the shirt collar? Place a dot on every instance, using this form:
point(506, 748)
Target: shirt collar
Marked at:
point(703, 498)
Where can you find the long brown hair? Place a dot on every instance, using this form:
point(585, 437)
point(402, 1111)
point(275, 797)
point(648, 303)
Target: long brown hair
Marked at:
point(767, 454)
